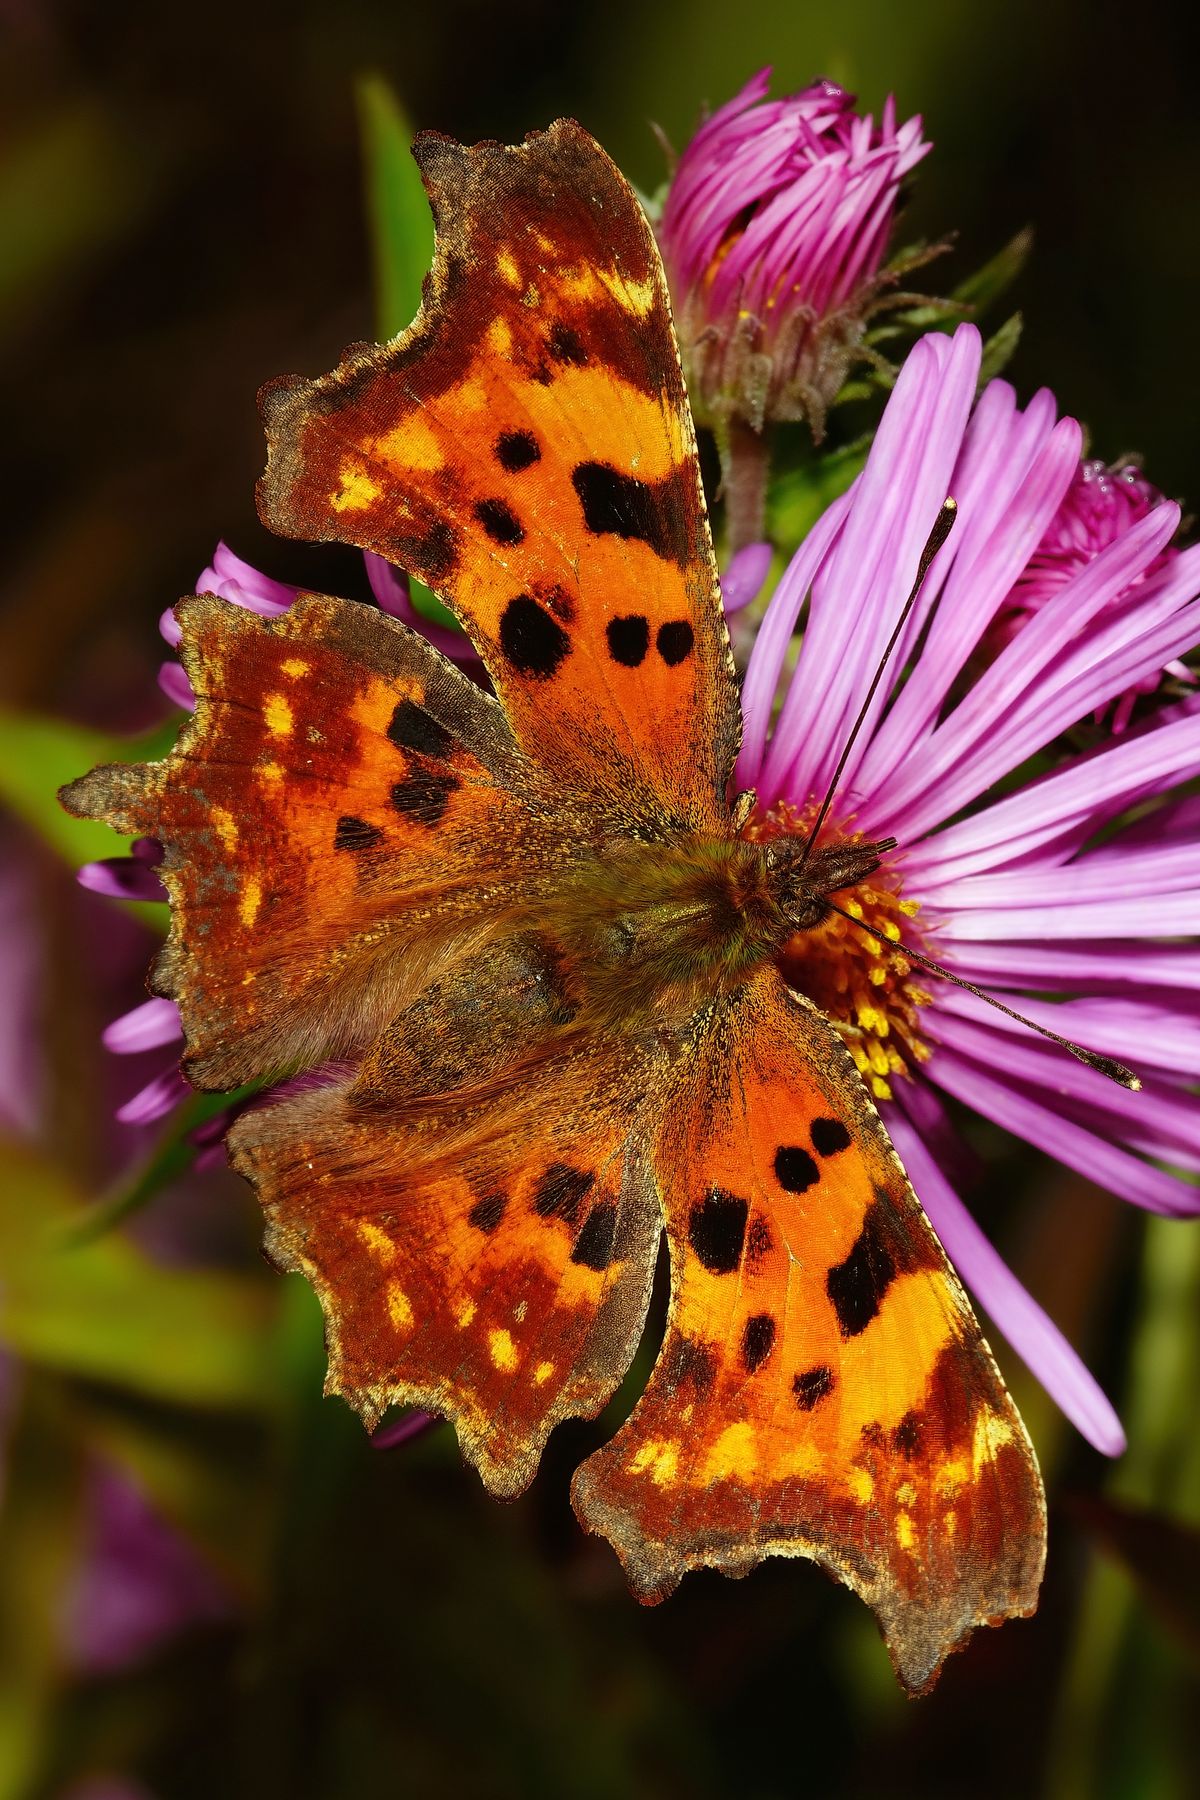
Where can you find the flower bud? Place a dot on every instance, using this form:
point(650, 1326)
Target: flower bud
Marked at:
point(773, 233)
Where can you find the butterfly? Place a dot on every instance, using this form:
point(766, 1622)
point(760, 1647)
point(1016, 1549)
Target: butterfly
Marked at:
point(525, 954)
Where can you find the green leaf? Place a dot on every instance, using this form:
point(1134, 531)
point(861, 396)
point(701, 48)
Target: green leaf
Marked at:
point(999, 348)
point(399, 220)
point(401, 230)
point(985, 286)
point(38, 756)
point(102, 1310)
point(799, 496)
point(430, 607)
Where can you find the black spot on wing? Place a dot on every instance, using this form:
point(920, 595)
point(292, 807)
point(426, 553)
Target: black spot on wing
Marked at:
point(566, 346)
point(628, 639)
point(412, 728)
point(517, 450)
point(654, 512)
point(906, 1438)
point(424, 795)
point(856, 1286)
point(594, 1245)
point(811, 1386)
point(499, 521)
point(717, 1230)
point(487, 1212)
point(355, 834)
point(758, 1340)
point(795, 1169)
point(561, 1191)
point(675, 641)
point(829, 1136)
point(533, 642)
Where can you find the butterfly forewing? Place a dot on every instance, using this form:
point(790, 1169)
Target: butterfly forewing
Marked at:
point(526, 448)
point(344, 809)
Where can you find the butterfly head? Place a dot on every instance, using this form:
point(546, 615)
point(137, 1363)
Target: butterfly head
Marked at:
point(802, 877)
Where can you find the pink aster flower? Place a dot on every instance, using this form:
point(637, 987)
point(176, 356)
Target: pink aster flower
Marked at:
point(774, 230)
point(1076, 886)
point(1099, 506)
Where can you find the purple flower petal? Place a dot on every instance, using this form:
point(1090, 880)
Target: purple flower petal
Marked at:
point(155, 1100)
point(1026, 1117)
point(409, 1425)
point(147, 1027)
point(780, 212)
point(140, 1585)
point(231, 578)
point(121, 878)
point(1033, 1335)
point(742, 581)
point(176, 686)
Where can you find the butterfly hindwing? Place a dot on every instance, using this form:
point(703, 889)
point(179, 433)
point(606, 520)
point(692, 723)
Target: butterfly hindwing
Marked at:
point(487, 1256)
point(526, 448)
point(823, 1389)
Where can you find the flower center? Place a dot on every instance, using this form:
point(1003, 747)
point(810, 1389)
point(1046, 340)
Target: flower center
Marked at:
point(857, 974)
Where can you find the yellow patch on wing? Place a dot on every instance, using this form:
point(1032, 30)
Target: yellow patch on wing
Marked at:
point(413, 445)
point(399, 1307)
point(356, 490)
point(378, 1242)
point(860, 1483)
point(277, 711)
point(295, 667)
point(734, 1455)
point(250, 900)
point(658, 1460)
point(226, 827)
point(991, 1434)
point(543, 1372)
point(502, 1350)
point(500, 337)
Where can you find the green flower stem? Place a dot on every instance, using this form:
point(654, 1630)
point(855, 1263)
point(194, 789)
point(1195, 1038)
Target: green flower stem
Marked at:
point(1122, 1709)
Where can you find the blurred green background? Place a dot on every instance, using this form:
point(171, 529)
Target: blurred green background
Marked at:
point(210, 1583)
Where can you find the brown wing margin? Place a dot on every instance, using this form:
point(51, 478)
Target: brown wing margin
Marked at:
point(526, 448)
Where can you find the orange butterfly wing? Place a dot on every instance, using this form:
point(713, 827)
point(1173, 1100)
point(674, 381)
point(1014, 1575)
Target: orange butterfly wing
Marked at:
point(483, 1241)
point(823, 1389)
point(344, 809)
point(526, 448)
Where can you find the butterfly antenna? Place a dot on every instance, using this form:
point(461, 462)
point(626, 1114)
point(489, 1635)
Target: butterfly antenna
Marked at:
point(1103, 1065)
point(934, 542)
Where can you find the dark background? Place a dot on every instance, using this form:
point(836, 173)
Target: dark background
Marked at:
point(180, 197)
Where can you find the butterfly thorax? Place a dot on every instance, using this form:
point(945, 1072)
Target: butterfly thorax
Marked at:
point(645, 934)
